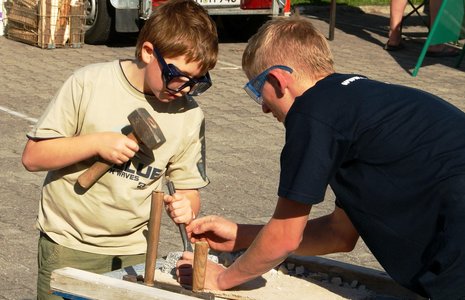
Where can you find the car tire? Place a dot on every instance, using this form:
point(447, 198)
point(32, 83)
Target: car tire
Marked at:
point(99, 21)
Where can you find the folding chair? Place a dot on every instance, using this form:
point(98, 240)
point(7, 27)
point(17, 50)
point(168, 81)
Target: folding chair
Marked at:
point(448, 26)
point(416, 9)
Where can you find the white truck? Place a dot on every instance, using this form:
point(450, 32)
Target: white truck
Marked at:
point(239, 18)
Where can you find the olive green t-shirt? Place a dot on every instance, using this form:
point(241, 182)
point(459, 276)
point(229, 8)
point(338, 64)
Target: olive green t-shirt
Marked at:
point(111, 217)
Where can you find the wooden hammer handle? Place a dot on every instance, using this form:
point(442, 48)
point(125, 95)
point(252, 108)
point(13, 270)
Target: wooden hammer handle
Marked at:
point(91, 175)
point(153, 237)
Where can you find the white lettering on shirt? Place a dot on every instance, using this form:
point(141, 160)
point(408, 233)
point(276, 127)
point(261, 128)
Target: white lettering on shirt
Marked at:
point(351, 79)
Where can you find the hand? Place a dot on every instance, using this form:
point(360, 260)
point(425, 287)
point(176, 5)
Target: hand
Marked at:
point(115, 147)
point(179, 208)
point(184, 271)
point(219, 232)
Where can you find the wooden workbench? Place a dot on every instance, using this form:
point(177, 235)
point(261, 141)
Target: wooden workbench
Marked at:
point(85, 285)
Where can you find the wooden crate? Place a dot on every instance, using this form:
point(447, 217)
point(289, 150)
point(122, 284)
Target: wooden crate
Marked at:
point(46, 23)
point(61, 24)
point(22, 35)
point(22, 17)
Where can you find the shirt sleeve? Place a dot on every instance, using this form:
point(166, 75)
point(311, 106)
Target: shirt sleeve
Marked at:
point(61, 118)
point(312, 154)
point(187, 169)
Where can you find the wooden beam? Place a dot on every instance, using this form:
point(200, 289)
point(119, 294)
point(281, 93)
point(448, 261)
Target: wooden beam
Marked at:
point(88, 285)
point(153, 237)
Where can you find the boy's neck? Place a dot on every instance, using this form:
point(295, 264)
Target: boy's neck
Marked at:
point(134, 72)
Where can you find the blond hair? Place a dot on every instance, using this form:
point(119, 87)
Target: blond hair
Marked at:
point(181, 27)
point(291, 41)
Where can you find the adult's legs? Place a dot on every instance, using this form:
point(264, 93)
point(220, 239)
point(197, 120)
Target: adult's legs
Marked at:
point(440, 49)
point(394, 42)
point(397, 8)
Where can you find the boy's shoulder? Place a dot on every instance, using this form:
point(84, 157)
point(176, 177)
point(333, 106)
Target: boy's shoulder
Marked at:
point(97, 67)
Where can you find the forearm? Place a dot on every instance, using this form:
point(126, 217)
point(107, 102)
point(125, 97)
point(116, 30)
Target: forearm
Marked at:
point(246, 234)
point(52, 154)
point(256, 261)
point(271, 244)
point(318, 240)
point(328, 234)
point(267, 251)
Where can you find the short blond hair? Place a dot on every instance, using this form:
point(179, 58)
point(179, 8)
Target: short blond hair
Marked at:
point(291, 41)
point(181, 27)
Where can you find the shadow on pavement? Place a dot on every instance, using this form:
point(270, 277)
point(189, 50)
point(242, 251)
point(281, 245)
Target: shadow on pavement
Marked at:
point(369, 26)
point(118, 40)
point(351, 20)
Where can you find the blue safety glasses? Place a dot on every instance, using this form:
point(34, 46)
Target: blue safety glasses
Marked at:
point(254, 87)
point(176, 81)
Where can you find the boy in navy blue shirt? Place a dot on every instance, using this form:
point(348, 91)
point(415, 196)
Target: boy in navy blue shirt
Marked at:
point(394, 157)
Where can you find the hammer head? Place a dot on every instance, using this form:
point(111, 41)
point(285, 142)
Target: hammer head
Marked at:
point(146, 129)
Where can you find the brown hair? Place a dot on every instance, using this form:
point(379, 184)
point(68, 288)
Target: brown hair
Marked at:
point(293, 42)
point(181, 27)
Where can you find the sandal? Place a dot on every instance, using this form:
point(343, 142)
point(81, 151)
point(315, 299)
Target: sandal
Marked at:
point(445, 51)
point(397, 47)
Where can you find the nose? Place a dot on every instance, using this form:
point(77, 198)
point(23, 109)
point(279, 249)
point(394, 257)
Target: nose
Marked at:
point(185, 90)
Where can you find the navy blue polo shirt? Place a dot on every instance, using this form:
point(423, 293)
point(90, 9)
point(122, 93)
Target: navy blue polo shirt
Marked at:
point(395, 158)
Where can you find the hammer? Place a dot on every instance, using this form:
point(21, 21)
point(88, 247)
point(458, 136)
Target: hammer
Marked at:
point(144, 130)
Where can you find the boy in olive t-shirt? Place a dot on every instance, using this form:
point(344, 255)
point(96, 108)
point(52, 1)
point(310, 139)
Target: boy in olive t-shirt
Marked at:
point(103, 227)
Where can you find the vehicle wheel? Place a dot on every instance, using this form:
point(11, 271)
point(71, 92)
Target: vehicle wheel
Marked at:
point(244, 26)
point(99, 21)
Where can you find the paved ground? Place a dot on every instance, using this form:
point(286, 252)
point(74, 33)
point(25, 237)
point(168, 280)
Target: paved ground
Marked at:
point(243, 145)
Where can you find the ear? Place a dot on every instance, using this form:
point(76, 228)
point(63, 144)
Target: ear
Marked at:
point(147, 53)
point(279, 80)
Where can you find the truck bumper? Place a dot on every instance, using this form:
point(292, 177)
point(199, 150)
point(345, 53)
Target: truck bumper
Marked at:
point(127, 20)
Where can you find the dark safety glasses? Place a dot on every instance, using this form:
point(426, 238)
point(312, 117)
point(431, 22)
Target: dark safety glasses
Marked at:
point(254, 87)
point(176, 81)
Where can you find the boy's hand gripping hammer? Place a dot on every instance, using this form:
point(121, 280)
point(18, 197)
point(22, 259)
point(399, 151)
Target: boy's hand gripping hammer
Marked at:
point(144, 131)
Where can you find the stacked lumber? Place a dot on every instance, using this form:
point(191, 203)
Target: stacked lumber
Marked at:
point(46, 23)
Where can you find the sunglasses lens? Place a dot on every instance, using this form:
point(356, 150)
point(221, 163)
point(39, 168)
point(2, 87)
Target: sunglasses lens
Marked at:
point(253, 93)
point(177, 83)
point(254, 86)
point(199, 88)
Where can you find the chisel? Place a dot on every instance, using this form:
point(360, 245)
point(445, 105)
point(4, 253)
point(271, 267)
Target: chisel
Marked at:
point(182, 227)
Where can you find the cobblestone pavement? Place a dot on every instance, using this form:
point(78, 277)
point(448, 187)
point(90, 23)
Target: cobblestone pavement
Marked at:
point(243, 144)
